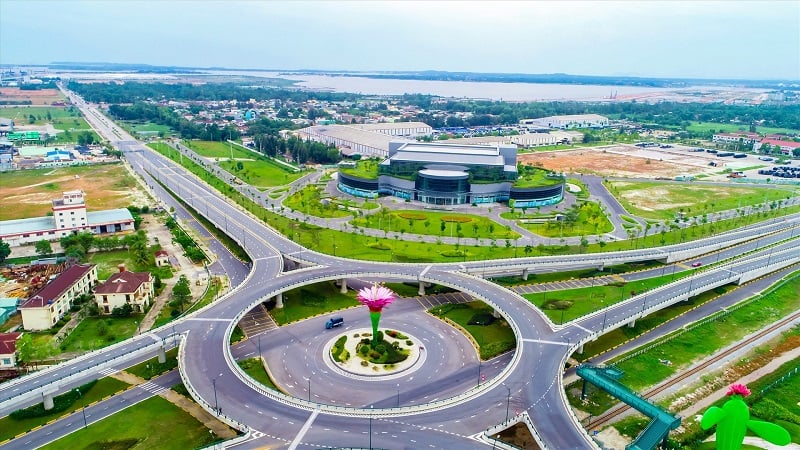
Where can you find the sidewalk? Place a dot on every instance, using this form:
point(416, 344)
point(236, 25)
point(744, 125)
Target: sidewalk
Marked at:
point(220, 429)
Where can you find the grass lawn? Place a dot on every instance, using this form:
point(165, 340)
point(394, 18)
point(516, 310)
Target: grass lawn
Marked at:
point(255, 369)
point(623, 334)
point(154, 423)
point(645, 369)
point(493, 339)
point(108, 263)
point(366, 168)
point(591, 221)
point(152, 368)
point(103, 388)
point(312, 300)
point(703, 127)
point(570, 304)
point(663, 201)
point(308, 201)
point(21, 114)
point(97, 332)
point(261, 173)
point(147, 128)
point(436, 223)
point(215, 149)
point(32, 191)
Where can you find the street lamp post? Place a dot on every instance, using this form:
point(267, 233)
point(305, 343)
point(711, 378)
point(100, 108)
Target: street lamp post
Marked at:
point(216, 404)
point(370, 427)
point(309, 389)
point(398, 395)
point(508, 400)
point(83, 408)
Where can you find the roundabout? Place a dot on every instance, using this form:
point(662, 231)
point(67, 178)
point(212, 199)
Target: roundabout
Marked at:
point(298, 357)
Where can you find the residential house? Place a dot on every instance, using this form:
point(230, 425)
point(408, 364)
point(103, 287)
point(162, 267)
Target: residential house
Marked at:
point(8, 350)
point(44, 308)
point(162, 259)
point(124, 287)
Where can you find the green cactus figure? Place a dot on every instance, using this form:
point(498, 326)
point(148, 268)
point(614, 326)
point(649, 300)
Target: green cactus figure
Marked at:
point(733, 420)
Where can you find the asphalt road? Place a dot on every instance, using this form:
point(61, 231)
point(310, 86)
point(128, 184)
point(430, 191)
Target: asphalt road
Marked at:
point(531, 380)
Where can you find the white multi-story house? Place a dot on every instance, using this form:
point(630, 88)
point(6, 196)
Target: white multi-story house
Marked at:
point(49, 304)
point(69, 216)
point(124, 287)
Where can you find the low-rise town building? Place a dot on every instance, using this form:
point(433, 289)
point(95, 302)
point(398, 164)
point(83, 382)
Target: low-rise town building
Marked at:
point(124, 287)
point(69, 216)
point(8, 350)
point(49, 304)
point(566, 122)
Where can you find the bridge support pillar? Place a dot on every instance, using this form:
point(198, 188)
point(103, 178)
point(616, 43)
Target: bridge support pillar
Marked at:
point(632, 323)
point(601, 266)
point(580, 349)
point(162, 355)
point(525, 274)
point(343, 289)
point(495, 314)
point(47, 401)
point(583, 390)
point(421, 290)
point(279, 300)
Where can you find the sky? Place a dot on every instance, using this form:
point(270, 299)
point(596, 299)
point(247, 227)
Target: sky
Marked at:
point(657, 38)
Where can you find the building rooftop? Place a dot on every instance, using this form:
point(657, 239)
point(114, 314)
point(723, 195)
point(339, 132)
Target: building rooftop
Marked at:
point(57, 286)
point(123, 282)
point(352, 134)
point(577, 117)
point(8, 343)
point(108, 216)
point(22, 226)
point(390, 126)
point(448, 158)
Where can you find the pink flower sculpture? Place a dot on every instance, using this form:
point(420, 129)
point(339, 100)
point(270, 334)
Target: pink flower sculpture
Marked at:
point(375, 298)
point(733, 420)
point(739, 389)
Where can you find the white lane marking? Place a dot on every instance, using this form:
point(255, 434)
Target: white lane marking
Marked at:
point(303, 430)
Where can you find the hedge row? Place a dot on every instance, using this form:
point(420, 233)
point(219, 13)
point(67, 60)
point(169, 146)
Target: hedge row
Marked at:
point(60, 403)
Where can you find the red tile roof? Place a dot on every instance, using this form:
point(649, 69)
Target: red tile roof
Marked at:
point(162, 253)
point(778, 142)
point(52, 290)
point(8, 343)
point(123, 283)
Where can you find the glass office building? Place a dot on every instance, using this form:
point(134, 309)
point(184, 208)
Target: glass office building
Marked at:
point(445, 174)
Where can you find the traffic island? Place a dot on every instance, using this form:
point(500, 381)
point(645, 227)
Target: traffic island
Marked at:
point(392, 354)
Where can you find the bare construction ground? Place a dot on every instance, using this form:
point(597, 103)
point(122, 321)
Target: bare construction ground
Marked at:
point(15, 95)
point(29, 193)
point(624, 160)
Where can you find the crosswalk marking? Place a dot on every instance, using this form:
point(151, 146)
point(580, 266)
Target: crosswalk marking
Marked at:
point(153, 388)
point(108, 371)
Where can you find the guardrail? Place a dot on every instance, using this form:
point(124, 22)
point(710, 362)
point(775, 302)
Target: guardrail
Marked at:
point(233, 423)
point(27, 394)
point(773, 262)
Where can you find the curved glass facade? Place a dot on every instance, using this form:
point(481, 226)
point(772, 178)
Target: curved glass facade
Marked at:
point(442, 189)
point(542, 196)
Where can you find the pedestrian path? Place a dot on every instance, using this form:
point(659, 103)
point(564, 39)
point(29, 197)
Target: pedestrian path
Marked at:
point(431, 301)
point(256, 321)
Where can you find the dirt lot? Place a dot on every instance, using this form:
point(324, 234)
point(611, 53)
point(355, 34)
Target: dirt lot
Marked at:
point(38, 97)
point(32, 191)
point(622, 161)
